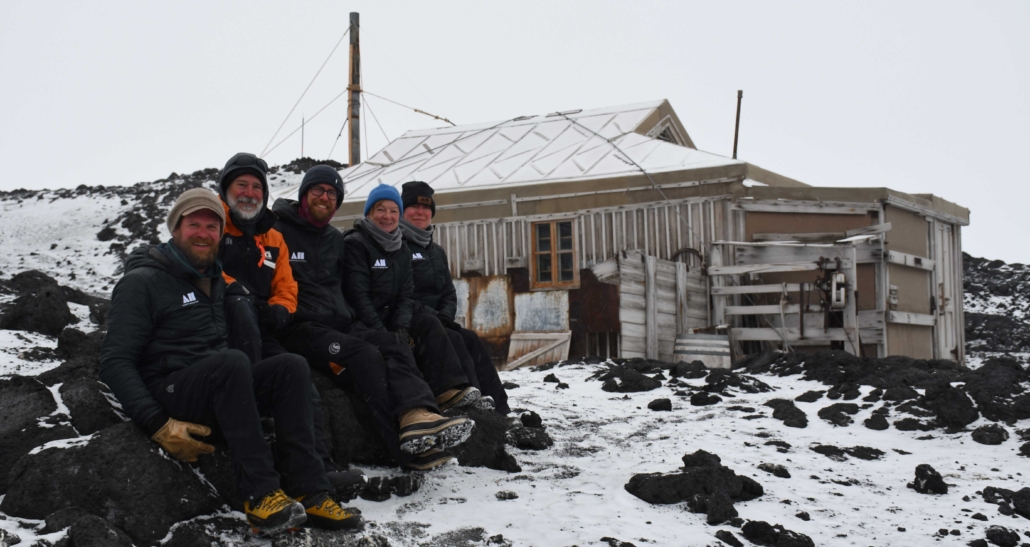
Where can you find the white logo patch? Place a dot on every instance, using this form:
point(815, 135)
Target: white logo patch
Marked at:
point(417, 256)
point(380, 264)
point(297, 257)
point(170, 388)
point(334, 348)
point(188, 299)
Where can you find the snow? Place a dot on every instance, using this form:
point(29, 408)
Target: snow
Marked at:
point(14, 344)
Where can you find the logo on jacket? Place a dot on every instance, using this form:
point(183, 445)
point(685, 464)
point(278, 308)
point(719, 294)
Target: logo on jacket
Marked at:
point(380, 264)
point(417, 256)
point(189, 299)
point(334, 348)
point(297, 257)
point(170, 388)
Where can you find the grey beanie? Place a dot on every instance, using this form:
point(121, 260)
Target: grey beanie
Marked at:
point(192, 201)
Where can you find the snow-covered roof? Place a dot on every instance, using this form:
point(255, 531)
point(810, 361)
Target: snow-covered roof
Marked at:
point(561, 146)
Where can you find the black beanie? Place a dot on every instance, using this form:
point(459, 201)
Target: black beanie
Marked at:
point(417, 192)
point(243, 164)
point(322, 174)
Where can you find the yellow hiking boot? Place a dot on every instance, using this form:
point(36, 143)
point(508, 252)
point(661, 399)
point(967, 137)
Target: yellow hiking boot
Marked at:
point(323, 512)
point(274, 513)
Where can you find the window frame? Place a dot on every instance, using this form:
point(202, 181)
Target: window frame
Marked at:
point(554, 284)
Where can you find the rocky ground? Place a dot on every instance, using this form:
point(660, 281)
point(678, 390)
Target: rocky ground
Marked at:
point(786, 450)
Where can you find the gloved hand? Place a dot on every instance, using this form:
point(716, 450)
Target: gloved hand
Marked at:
point(404, 338)
point(236, 289)
point(175, 438)
point(448, 323)
point(272, 318)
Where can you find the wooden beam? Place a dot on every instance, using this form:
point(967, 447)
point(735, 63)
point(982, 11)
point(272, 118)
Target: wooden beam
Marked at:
point(810, 207)
point(769, 268)
point(909, 318)
point(790, 254)
point(755, 289)
point(770, 309)
point(813, 237)
point(651, 305)
point(792, 334)
point(912, 261)
point(868, 230)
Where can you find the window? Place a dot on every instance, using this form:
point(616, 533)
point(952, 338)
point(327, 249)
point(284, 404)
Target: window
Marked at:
point(554, 255)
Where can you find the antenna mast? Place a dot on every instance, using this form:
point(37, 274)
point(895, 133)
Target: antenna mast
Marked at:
point(354, 94)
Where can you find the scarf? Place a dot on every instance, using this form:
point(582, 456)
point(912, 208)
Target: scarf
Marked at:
point(389, 241)
point(416, 235)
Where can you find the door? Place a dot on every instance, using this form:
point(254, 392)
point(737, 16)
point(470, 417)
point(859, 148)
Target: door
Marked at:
point(944, 245)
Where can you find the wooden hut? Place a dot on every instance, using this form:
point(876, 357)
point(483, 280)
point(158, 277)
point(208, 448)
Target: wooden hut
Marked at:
point(606, 232)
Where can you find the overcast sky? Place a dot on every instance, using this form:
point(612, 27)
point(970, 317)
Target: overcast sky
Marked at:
point(921, 97)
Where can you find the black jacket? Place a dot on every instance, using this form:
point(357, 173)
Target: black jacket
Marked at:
point(160, 322)
point(434, 288)
point(377, 283)
point(316, 257)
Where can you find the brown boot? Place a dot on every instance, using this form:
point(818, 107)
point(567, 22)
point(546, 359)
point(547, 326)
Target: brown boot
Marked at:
point(457, 398)
point(422, 430)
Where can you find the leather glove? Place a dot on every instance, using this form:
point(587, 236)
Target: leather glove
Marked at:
point(175, 438)
point(404, 338)
point(272, 318)
point(448, 323)
point(236, 289)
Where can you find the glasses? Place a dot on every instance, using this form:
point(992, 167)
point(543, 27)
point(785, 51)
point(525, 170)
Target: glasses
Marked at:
point(246, 160)
point(317, 191)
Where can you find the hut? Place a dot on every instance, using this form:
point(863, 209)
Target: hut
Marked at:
point(607, 233)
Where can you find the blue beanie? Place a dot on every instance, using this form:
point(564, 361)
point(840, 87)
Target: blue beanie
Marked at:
point(381, 192)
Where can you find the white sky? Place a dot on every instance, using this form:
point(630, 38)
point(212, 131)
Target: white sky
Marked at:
point(916, 96)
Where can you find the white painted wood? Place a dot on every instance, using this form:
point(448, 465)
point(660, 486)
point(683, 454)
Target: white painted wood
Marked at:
point(651, 309)
point(813, 237)
point(912, 261)
point(792, 335)
point(755, 289)
point(760, 268)
point(813, 207)
point(909, 318)
point(869, 230)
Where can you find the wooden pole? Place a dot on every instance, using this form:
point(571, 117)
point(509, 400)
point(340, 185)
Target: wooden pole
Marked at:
point(302, 136)
point(736, 129)
point(354, 95)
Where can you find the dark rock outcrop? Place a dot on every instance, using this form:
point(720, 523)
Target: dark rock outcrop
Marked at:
point(839, 414)
point(768, 535)
point(701, 478)
point(928, 481)
point(786, 411)
point(990, 434)
point(27, 407)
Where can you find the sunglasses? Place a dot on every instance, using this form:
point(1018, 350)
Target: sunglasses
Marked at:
point(317, 191)
point(247, 160)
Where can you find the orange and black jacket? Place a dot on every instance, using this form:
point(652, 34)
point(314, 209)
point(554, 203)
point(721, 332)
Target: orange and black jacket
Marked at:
point(260, 263)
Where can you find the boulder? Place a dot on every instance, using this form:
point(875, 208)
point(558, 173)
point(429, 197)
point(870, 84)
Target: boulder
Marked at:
point(928, 481)
point(767, 535)
point(485, 448)
point(786, 411)
point(951, 405)
point(839, 414)
point(660, 405)
point(702, 477)
point(348, 423)
point(93, 531)
point(89, 407)
point(117, 474)
point(43, 310)
point(27, 408)
point(990, 434)
point(1002, 537)
point(529, 438)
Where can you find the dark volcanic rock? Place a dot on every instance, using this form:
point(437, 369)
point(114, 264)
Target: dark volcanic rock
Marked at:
point(703, 398)
point(40, 307)
point(928, 481)
point(144, 499)
point(762, 533)
point(1002, 537)
point(1024, 450)
point(348, 419)
point(951, 405)
point(93, 531)
point(63, 518)
point(694, 369)
point(719, 379)
point(701, 478)
point(809, 396)
point(529, 438)
point(630, 380)
point(531, 419)
point(990, 434)
point(660, 405)
point(838, 454)
point(551, 378)
point(1017, 501)
point(913, 424)
point(786, 411)
point(485, 448)
point(877, 422)
point(899, 393)
point(210, 531)
point(26, 406)
point(839, 414)
point(777, 470)
point(720, 508)
point(89, 408)
point(728, 538)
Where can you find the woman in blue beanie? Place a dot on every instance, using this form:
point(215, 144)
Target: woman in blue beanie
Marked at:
point(377, 283)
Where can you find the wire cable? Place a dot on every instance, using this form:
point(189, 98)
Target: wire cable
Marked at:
point(377, 121)
point(338, 135)
point(411, 107)
point(266, 150)
point(292, 133)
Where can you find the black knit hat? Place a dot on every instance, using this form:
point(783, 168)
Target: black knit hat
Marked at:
point(243, 164)
point(417, 192)
point(322, 174)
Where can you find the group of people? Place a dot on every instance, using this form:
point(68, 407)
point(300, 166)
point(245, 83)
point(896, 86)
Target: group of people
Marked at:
point(220, 326)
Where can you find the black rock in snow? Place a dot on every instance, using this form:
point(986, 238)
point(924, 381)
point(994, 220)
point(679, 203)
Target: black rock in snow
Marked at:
point(1002, 537)
point(529, 438)
point(93, 531)
point(41, 305)
point(660, 405)
point(144, 498)
point(767, 535)
point(809, 396)
point(26, 406)
point(839, 414)
point(876, 422)
point(531, 419)
point(551, 378)
point(701, 458)
point(928, 481)
point(703, 398)
point(702, 477)
point(728, 538)
point(694, 369)
point(90, 409)
point(775, 469)
point(486, 446)
point(951, 405)
point(990, 434)
point(720, 508)
point(786, 411)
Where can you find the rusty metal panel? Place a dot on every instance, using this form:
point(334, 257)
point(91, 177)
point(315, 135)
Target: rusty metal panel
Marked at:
point(542, 311)
point(492, 310)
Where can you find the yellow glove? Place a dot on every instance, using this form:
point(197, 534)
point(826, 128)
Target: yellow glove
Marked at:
point(175, 438)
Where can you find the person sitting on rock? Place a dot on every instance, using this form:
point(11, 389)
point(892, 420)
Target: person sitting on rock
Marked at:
point(261, 293)
point(377, 282)
point(166, 359)
point(358, 358)
point(435, 294)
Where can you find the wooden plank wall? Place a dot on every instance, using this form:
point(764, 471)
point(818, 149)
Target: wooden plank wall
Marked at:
point(659, 229)
point(664, 312)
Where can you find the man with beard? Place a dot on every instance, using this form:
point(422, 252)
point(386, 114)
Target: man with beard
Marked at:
point(166, 360)
point(325, 331)
point(262, 293)
point(435, 294)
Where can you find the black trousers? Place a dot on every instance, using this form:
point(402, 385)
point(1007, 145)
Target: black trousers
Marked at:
point(226, 390)
point(435, 355)
point(479, 367)
point(371, 363)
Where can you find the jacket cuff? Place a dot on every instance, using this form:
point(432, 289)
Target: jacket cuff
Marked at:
point(156, 423)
